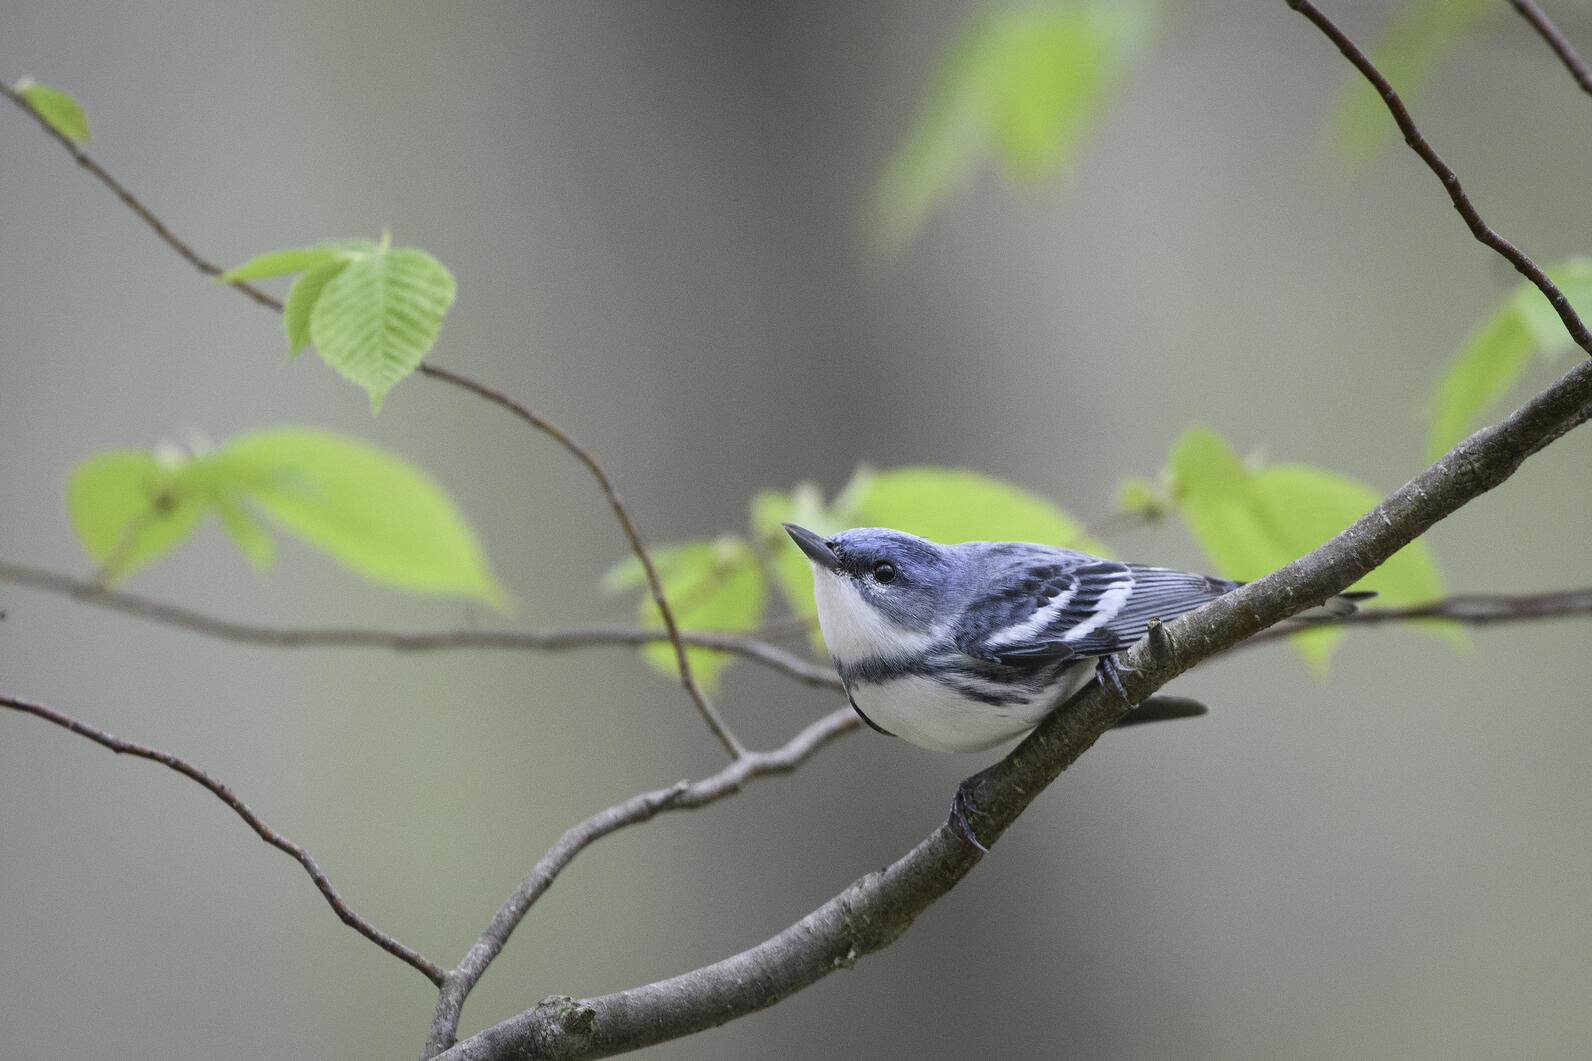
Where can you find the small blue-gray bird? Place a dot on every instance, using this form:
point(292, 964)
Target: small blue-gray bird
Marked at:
point(961, 647)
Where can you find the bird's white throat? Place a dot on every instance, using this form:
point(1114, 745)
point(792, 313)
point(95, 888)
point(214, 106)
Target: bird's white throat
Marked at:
point(855, 630)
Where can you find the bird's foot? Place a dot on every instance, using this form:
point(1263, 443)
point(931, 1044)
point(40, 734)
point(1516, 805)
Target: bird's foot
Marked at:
point(1110, 672)
point(961, 808)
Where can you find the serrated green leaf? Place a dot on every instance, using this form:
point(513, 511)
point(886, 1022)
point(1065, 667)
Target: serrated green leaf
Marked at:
point(1026, 83)
point(301, 299)
point(63, 113)
point(280, 263)
point(376, 319)
point(1495, 357)
point(129, 509)
point(372, 512)
point(710, 585)
point(1409, 50)
point(1251, 522)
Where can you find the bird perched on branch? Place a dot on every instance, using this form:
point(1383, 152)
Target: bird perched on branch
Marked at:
point(962, 647)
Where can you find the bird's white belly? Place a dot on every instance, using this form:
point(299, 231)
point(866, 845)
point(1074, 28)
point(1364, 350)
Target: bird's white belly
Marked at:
point(935, 716)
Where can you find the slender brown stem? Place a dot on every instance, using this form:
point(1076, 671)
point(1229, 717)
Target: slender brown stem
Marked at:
point(98, 172)
point(1557, 41)
point(92, 592)
point(430, 970)
point(704, 707)
point(681, 796)
point(1456, 194)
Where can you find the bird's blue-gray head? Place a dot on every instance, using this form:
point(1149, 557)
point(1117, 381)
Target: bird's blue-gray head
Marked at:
point(879, 592)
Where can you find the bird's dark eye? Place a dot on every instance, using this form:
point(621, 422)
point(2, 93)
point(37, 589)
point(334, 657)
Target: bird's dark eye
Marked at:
point(884, 571)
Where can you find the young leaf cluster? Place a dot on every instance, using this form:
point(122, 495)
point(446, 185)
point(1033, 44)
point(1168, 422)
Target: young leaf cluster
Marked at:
point(373, 513)
point(372, 311)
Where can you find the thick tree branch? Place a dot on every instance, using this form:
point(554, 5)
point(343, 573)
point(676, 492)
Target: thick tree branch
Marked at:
point(387, 943)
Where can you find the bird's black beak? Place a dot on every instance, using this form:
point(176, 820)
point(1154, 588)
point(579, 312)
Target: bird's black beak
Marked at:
point(817, 550)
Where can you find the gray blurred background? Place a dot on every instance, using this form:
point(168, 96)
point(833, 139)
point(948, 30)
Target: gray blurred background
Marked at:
point(654, 214)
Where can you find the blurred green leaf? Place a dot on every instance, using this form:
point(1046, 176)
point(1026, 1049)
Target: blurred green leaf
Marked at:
point(1409, 50)
point(1253, 521)
point(1140, 498)
point(372, 512)
point(956, 505)
point(1496, 356)
point(377, 318)
point(710, 585)
point(128, 509)
point(1025, 82)
point(63, 113)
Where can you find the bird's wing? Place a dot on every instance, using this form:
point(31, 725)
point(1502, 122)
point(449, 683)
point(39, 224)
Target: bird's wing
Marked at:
point(1044, 613)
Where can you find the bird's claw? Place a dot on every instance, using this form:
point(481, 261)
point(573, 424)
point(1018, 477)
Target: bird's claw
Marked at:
point(1110, 672)
point(961, 804)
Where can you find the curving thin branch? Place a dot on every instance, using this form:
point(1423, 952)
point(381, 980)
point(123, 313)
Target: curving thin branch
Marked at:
point(429, 969)
point(92, 592)
point(684, 795)
point(1557, 41)
point(704, 706)
point(1456, 194)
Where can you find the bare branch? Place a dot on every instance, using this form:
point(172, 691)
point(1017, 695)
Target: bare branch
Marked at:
point(1557, 41)
point(1456, 194)
point(92, 592)
point(408, 955)
point(704, 707)
point(82, 158)
point(681, 796)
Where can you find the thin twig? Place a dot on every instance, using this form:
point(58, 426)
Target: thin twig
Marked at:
point(1557, 41)
point(82, 158)
point(91, 592)
point(681, 796)
point(1412, 136)
point(430, 970)
point(704, 706)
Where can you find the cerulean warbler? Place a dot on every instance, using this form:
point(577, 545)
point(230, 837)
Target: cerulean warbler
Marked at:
point(962, 647)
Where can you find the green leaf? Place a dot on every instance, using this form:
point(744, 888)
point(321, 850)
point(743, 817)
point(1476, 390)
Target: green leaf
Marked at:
point(1409, 50)
point(956, 505)
point(376, 319)
point(280, 263)
point(63, 113)
point(1027, 83)
point(1496, 356)
point(372, 512)
point(715, 585)
point(301, 299)
point(129, 509)
point(1140, 498)
point(1251, 522)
